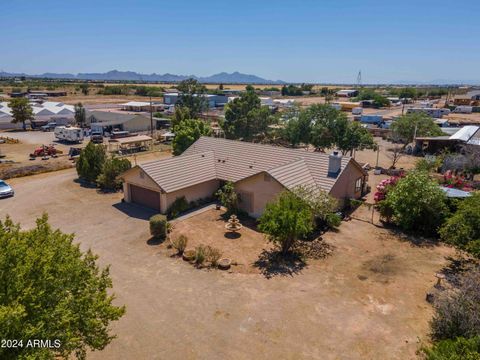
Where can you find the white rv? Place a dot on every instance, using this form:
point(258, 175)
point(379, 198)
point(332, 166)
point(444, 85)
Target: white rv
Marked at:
point(70, 134)
point(463, 109)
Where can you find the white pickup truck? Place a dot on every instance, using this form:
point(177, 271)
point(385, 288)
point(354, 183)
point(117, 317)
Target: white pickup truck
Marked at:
point(69, 134)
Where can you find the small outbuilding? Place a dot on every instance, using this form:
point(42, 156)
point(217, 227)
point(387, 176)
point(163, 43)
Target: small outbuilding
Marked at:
point(105, 121)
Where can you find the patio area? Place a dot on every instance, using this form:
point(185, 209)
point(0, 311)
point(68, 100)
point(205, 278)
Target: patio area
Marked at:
point(208, 228)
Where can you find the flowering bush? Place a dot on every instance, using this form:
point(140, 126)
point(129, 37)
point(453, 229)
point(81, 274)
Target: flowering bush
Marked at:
point(383, 187)
point(451, 180)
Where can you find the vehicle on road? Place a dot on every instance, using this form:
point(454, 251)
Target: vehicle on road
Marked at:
point(69, 134)
point(5, 190)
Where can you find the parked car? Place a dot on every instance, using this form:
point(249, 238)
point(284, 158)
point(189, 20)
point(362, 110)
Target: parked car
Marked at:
point(5, 190)
point(96, 138)
point(49, 127)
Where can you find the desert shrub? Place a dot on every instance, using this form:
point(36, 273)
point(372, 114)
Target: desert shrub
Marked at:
point(112, 168)
point(212, 255)
point(333, 220)
point(91, 161)
point(158, 226)
point(457, 349)
point(428, 165)
point(463, 229)
point(228, 197)
point(457, 312)
point(179, 206)
point(200, 255)
point(180, 244)
point(415, 203)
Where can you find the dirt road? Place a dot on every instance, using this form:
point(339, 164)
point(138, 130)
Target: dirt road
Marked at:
point(366, 301)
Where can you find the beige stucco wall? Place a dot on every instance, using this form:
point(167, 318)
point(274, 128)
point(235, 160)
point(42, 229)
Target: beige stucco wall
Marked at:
point(344, 188)
point(262, 191)
point(202, 190)
point(134, 177)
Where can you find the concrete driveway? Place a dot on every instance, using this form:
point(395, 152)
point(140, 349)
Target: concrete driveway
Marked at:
point(337, 308)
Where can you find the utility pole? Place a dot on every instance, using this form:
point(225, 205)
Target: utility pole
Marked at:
point(151, 118)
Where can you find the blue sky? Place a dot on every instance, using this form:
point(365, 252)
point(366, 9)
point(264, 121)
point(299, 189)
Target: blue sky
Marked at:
point(303, 40)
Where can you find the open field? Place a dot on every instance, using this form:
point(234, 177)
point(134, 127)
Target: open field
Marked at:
point(364, 301)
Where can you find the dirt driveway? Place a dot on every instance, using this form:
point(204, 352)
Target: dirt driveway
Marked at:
point(365, 301)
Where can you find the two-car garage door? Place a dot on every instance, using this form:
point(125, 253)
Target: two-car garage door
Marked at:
point(144, 197)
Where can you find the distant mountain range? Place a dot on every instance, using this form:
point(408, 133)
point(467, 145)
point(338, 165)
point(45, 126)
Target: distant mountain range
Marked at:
point(116, 75)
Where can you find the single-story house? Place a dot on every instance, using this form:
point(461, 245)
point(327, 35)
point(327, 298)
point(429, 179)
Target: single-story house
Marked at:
point(213, 100)
point(259, 173)
point(106, 121)
point(470, 98)
point(141, 106)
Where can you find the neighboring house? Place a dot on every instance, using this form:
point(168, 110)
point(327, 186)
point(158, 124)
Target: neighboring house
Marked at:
point(470, 98)
point(259, 173)
point(106, 121)
point(347, 93)
point(467, 135)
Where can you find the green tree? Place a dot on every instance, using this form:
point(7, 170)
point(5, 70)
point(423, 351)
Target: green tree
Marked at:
point(84, 88)
point(286, 220)
point(187, 132)
point(415, 124)
point(416, 203)
point(112, 168)
point(328, 127)
point(180, 114)
point(21, 111)
point(80, 116)
point(50, 289)
point(355, 137)
point(228, 197)
point(298, 127)
point(407, 93)
point(245, 117)
point(370, 94)
point(90, 163)
point(463, 228)
point(192, 97)
point(322, 205)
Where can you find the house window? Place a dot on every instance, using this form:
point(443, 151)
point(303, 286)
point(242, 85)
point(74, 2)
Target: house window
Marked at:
point(267, 177)
point(358, 185)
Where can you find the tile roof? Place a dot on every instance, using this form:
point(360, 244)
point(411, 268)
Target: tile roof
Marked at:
point(236, 160)
point(213, 158)
point(181, 171)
